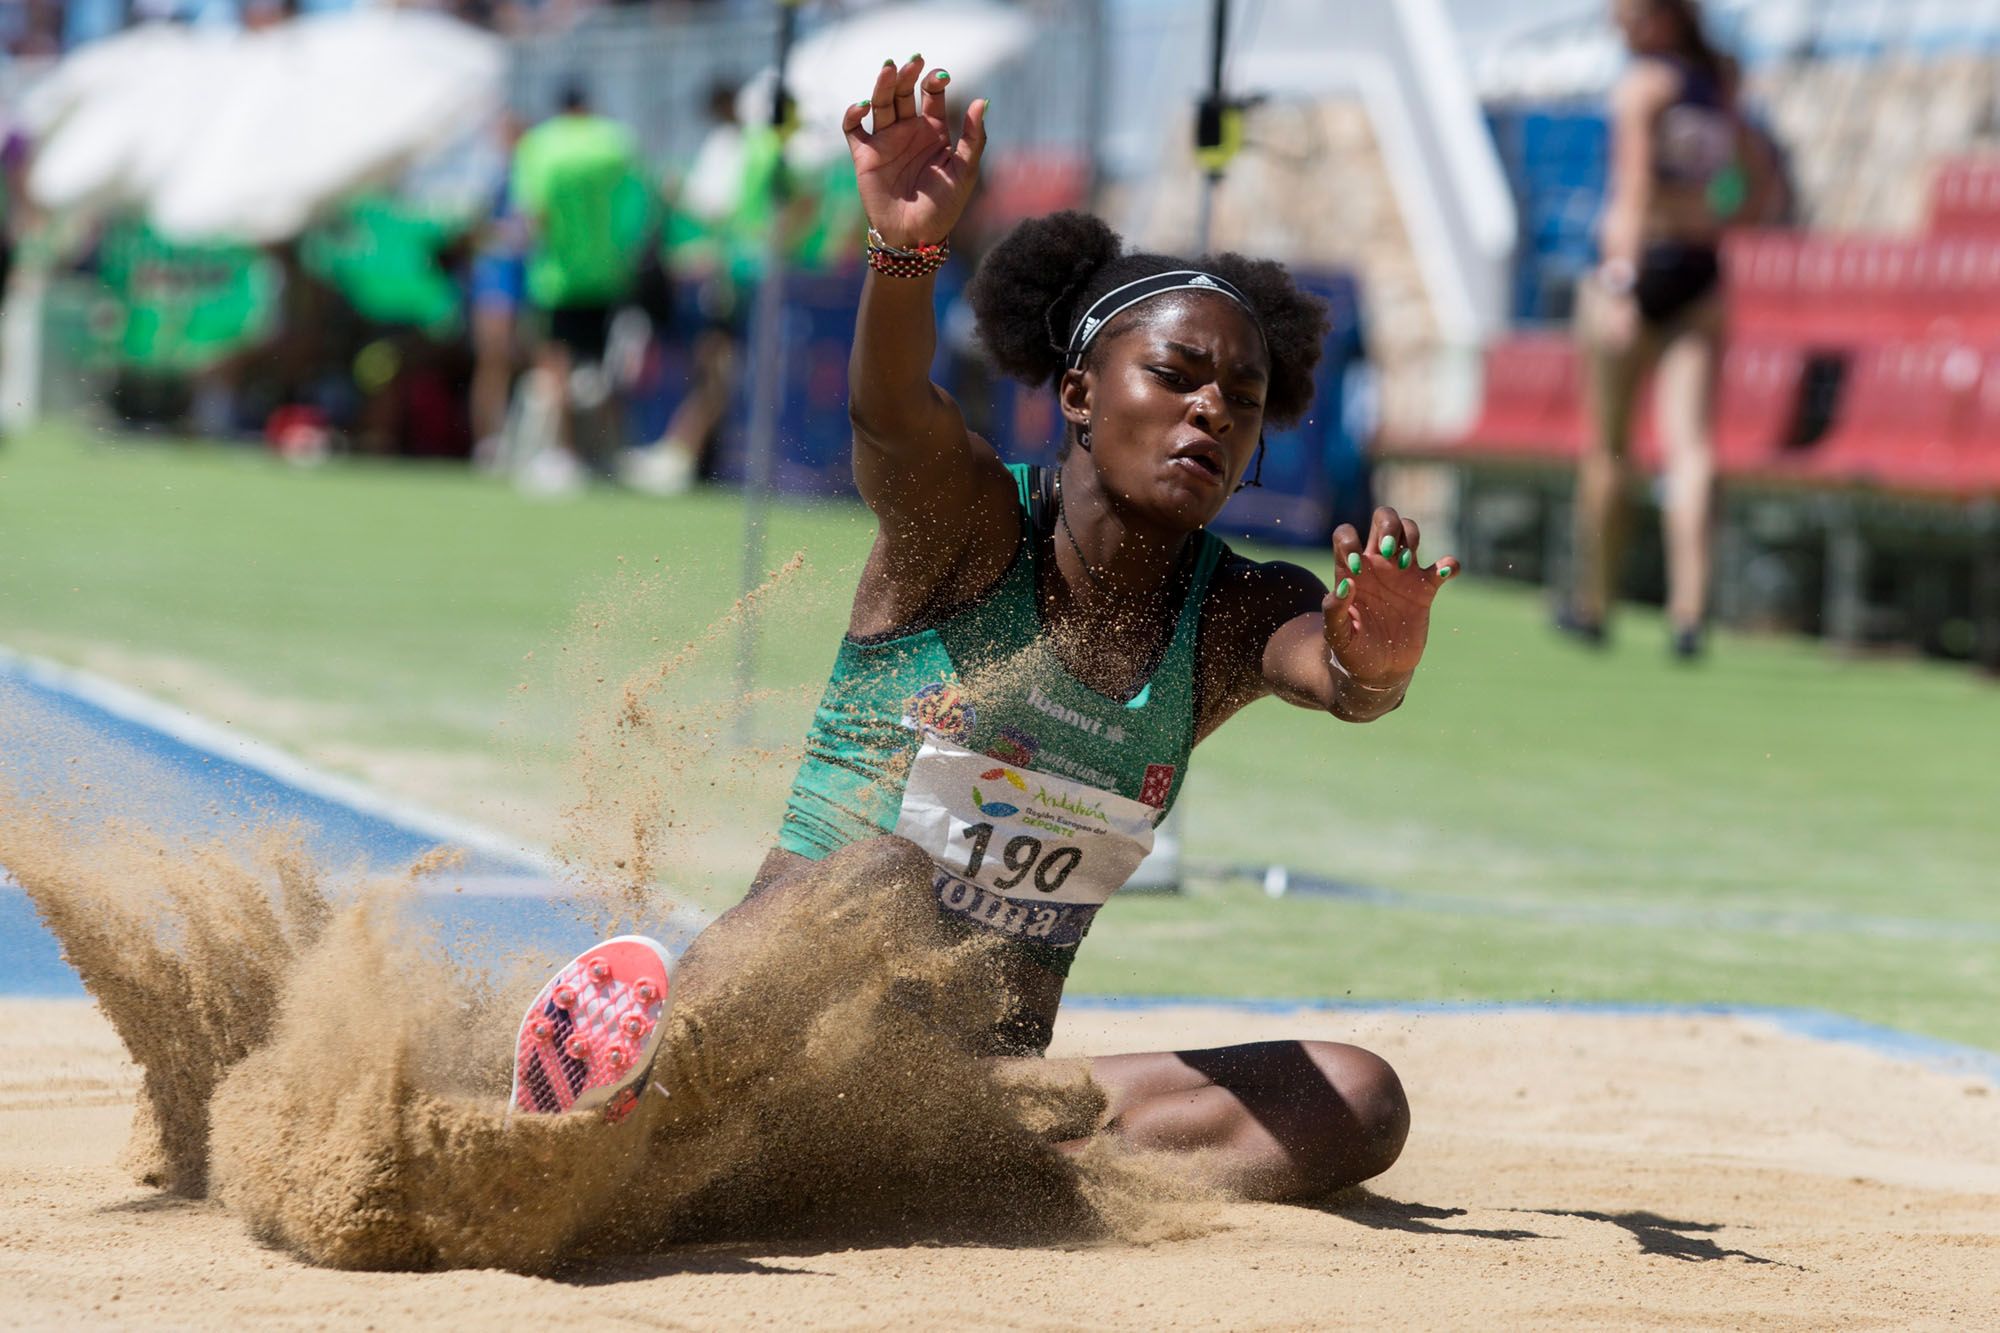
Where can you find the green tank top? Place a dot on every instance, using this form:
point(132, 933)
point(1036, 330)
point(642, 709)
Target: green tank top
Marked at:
point(1034, 794)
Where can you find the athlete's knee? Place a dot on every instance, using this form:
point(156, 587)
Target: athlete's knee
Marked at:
point(886, 878)
point(788, 882)
point(1372, 1120)
point(887, 859)
point(792, 892)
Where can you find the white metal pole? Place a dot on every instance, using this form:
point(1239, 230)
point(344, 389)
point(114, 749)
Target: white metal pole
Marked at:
point(767, 388)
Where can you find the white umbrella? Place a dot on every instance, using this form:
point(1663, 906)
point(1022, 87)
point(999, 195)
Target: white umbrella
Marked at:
point(247, 135)
point(111, 120)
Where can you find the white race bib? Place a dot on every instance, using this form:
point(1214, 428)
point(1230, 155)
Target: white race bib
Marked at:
point(1025, 852)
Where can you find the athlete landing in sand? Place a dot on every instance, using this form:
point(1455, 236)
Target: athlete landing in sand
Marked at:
point(1032, 656)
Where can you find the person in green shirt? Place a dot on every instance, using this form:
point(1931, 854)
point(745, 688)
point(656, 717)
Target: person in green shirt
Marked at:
point(579, 185)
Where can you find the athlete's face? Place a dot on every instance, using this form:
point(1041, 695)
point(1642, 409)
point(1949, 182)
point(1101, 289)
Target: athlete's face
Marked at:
point(1174, 402)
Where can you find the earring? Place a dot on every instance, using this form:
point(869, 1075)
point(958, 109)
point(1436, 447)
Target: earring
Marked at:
point(1083, 437)
point(1256, 477)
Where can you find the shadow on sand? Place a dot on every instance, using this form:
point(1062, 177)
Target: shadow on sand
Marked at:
point(1687, 1241)
point(698, 1260)
point(1385, 1214)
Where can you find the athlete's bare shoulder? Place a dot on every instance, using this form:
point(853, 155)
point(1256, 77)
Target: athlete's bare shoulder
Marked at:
point(1248, 602)
point(1270, 587)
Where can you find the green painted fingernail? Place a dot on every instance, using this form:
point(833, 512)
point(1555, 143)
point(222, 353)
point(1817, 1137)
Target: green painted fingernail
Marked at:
point(1388, 546)
point(1446, 571)
point(1345, 587)
point(864, 104)
point(1403, 561)
point(916, 57)
point(889, 64)
point(1354, 562)
point(943, 76)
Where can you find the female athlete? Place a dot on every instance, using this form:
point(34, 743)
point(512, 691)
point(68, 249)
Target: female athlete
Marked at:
point(1031, 656)
point(1684, 165)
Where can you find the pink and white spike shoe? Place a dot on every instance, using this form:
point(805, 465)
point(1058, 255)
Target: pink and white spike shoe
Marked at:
point(587, 1042)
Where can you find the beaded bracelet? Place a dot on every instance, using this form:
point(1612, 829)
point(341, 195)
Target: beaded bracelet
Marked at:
point(896, 262)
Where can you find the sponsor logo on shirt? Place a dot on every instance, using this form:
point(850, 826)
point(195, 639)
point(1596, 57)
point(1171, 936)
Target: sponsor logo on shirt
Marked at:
point(998, 809)
point(1014, 746)
point(1069, 768)
point(1041, 703)
point(942, 708)
point(1066, 810)
point(1070, 805)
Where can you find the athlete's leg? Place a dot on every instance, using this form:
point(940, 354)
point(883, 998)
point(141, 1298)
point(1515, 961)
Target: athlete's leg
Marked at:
point(1615, 365)
point(594, 1031)
point(1686, 405)
point(1270, 1120)
point(884, 865)
point(1284, 1119)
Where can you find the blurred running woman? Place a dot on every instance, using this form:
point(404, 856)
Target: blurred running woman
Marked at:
point(1684, 165)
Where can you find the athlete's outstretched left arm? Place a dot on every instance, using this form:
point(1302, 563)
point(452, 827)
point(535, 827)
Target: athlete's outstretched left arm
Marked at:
point(1354, 654)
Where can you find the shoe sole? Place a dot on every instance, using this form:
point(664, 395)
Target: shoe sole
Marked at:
point(588, 1040)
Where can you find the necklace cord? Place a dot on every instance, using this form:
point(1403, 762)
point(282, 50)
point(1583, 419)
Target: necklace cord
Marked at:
point(1062, 517)
point(1083, 561)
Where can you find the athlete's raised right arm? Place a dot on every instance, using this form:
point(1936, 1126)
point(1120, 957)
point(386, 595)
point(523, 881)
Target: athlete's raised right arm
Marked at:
point(914, 461)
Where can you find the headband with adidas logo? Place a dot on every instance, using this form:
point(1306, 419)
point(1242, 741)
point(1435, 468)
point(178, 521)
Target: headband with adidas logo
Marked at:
point(1108, 306)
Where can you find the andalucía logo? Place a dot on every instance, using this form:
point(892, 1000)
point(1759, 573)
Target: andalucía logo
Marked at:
point(998, 809)
point(942, 707)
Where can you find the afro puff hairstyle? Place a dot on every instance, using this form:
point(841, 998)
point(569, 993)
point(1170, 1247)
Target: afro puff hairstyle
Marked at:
point(1044, 274)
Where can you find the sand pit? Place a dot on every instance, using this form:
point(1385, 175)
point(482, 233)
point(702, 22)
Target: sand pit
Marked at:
point(1565, 1171)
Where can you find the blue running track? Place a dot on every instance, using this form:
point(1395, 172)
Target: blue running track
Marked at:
point(184, 777)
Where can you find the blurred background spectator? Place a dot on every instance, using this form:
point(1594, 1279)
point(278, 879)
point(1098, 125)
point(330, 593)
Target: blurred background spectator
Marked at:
point(587, 206)
point(1684, 168)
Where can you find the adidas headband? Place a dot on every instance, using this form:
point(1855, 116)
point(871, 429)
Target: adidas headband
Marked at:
point(1119, 299)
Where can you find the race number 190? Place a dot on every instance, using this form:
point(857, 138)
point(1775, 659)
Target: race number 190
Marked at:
point(1022, 856)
